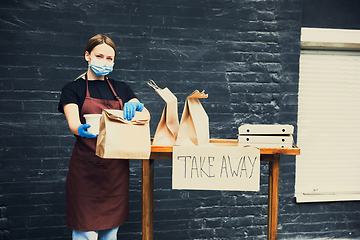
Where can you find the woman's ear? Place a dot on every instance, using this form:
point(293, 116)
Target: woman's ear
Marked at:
point(87, 56)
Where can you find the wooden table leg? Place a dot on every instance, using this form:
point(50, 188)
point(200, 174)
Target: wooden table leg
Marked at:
point(274, 170)
point(148, 199)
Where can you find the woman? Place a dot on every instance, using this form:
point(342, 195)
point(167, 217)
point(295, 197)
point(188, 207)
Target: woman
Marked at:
point(97, 190)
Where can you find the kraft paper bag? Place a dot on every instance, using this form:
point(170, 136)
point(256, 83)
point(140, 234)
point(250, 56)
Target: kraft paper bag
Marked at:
point(122, 139)
point(194, 124)
point(168, 127)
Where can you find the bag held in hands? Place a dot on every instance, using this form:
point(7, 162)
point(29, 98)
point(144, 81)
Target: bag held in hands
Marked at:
point(194, 124)
point(122, 139)
point(168, 127)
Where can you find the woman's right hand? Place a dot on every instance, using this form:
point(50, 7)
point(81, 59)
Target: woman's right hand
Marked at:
point(82, 130)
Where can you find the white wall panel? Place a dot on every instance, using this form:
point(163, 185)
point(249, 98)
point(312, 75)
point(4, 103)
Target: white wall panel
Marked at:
point(328, 168)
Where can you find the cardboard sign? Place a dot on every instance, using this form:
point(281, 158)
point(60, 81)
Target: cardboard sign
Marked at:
point(213, 167)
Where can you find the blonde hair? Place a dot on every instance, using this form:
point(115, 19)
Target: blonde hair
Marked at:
point(99, 39)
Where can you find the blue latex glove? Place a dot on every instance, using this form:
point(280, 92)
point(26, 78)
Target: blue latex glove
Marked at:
point(82, 129)
point(130, 108)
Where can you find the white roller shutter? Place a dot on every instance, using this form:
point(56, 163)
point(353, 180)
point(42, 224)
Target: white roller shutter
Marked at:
point(328, 168)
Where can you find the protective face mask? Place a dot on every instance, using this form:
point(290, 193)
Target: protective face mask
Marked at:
point(101, 68)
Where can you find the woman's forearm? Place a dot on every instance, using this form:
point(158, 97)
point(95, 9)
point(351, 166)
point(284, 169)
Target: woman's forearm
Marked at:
point(71, 111)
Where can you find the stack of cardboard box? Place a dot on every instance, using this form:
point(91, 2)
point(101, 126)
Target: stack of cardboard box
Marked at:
point(266, 136)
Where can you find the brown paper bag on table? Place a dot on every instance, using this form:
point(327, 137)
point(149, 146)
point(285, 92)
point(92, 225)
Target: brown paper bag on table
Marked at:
point(168, 127)
point(194, 124)
point(122, 139)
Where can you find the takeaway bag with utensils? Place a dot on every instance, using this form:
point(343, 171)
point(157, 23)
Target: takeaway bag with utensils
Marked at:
point(194, 124)
point(168, 127)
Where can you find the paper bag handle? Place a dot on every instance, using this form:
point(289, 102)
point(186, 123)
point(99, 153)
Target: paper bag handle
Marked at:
point(198, 94)
point(152, 84)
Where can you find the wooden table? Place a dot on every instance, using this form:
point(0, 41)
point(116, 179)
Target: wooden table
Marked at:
point(271, 155)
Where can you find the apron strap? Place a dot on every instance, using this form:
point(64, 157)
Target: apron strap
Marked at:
point(111, 87)
point(87, 86)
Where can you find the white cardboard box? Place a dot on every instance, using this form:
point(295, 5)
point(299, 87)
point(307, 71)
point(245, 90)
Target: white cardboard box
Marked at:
point(266, 129)
point(288, 139)
point(265, 145)
point(266, 136)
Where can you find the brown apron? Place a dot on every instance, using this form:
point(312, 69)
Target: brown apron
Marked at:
point(97, 189)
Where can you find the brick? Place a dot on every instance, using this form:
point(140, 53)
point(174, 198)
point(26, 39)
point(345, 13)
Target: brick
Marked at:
point(171, 225)
point(181, 234)
point(5, 235)
point(201, 233)
point(212, 223)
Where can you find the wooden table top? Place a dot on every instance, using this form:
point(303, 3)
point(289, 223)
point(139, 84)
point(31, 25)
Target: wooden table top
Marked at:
point(157, 150)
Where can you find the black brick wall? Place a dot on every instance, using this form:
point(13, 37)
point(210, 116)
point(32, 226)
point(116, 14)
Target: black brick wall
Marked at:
point(331, 14)
point(243, 53)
